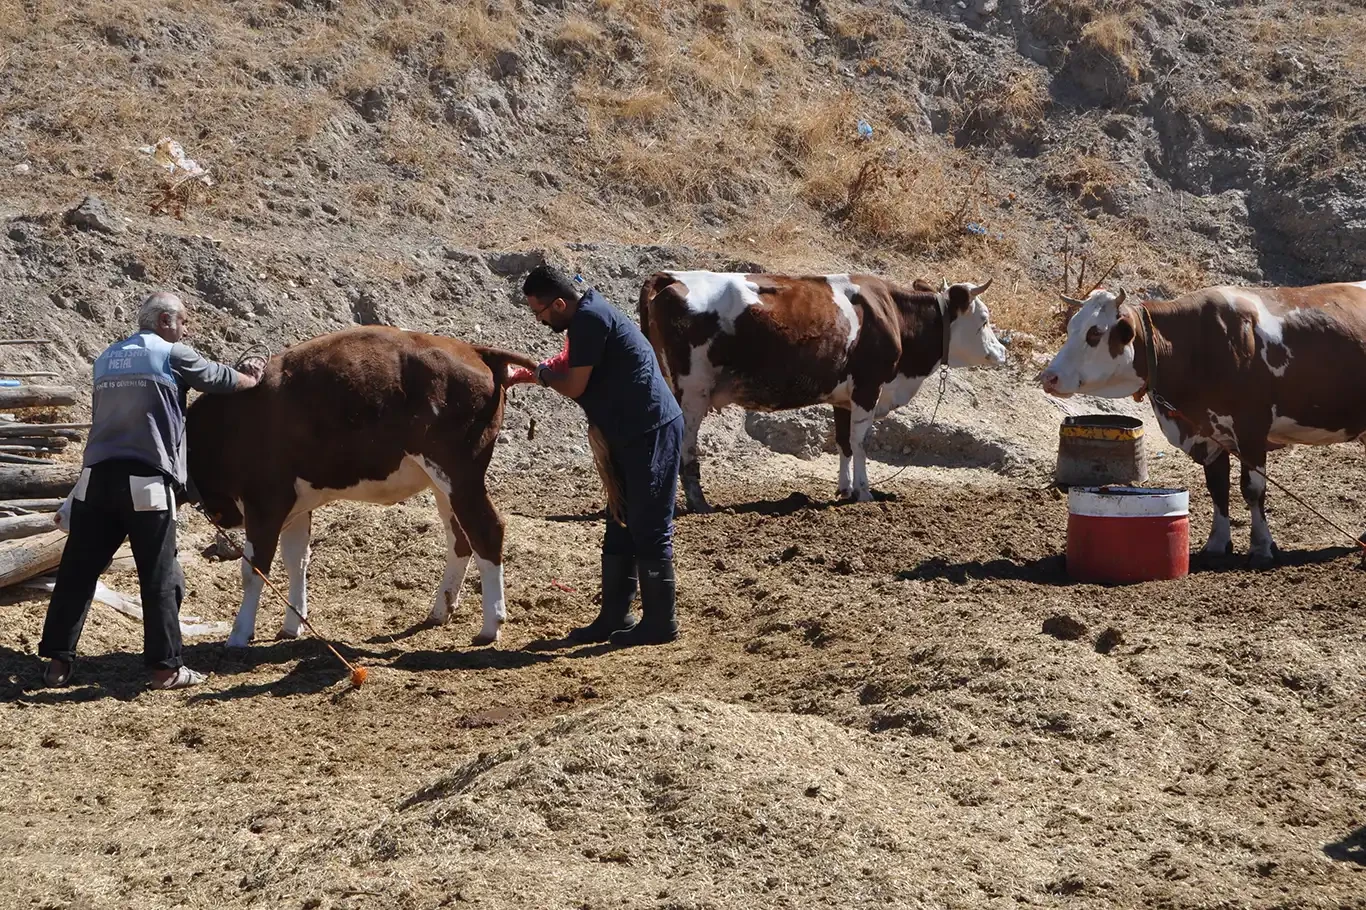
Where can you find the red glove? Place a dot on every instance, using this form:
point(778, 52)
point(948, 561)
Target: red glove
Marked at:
point(560, 362)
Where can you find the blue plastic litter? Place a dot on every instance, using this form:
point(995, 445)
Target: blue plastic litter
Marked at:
point(865, 129)
point(973, 227)
point(9, 383)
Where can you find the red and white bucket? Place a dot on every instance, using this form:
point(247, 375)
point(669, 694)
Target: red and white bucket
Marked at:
point(1118, 535)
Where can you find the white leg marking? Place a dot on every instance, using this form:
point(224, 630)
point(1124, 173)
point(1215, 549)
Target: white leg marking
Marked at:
point(448, 594)
point(244, 626)
point(495, 609)
point(860, 423)
point(1255, 495)
point(294, 550)
point(846, 478)
point(1220, 536)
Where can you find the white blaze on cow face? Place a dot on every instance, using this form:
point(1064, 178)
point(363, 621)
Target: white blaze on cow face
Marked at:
point(972, 342)
point(1085, 365)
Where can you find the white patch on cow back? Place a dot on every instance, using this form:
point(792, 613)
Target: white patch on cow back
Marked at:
point(727, 294)
point(843, 290)
point(1270, 328)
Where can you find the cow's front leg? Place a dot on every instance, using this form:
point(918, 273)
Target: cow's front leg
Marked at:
point(1263, 551)
point(842, 421)
point(861, 421)
point(1220, 541)
point(695, 405)
point(294, 550)
point(257, 554)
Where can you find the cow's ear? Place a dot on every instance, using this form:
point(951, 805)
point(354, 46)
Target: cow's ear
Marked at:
point(1123, 332)
point(920, 284)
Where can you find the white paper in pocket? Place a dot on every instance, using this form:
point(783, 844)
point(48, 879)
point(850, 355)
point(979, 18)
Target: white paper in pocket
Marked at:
point(149, 494)
point(81, 484)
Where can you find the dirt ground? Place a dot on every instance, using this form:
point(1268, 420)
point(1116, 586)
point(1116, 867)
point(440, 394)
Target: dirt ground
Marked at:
point(863, 711)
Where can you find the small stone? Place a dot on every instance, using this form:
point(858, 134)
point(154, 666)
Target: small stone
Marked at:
point(22, 169)
point(93, 214)
point(1108, 640)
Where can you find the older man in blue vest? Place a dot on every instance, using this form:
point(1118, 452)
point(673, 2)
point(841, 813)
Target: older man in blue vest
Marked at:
point(133, 466)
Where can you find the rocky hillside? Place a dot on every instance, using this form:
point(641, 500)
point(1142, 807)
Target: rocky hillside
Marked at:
point(392, 161)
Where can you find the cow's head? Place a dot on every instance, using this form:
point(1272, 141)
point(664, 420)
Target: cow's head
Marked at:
point(972, 343)
point(1098, 356)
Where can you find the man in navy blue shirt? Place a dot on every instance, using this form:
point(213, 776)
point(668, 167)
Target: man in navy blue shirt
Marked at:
point(611, 371)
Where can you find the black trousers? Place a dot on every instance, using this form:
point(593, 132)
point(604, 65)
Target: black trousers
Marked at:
point(100, 522)
point(647, 468)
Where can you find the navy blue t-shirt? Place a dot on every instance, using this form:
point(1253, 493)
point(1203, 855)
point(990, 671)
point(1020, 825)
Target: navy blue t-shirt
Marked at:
point(626, 394)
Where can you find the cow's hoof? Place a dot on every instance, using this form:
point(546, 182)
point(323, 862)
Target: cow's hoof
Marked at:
point(1261, 561)
point(237, 645)
point(863, 496)
point(434, 622)
point(842, 493)
point(700, 508)
point(286, 635)
point(481, 639)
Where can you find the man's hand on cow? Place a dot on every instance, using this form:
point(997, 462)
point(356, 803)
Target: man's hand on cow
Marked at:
point(519, 376)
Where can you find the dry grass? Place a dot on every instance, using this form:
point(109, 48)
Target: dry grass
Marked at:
point(1086, 179)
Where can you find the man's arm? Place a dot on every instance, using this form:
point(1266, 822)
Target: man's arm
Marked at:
point(205, 375)
point(569, 383)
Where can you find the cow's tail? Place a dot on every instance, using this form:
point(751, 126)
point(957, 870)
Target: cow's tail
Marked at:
point(499, 361)
point(650, 326)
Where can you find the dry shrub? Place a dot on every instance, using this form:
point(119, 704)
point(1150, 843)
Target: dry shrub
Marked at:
point(1083, 178)
point(579, 34)
point(1112, 37)
point(1014, 112)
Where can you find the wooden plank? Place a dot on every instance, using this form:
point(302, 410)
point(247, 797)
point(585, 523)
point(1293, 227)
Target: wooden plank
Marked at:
point(37, 396)
point(37, 375)
point(37, 481)
point(36, 442)
point(26, 525)
point(11, 458)
point(32, 505)
point(190, 626)
point(30, 557)
point(43, 429)
point(25, 341)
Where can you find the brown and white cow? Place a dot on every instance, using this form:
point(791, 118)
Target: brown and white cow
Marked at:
point(1241, 369)
point(374, 414)
point(776, 342)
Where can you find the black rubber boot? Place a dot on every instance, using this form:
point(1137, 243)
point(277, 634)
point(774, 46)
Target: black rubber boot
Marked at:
point(618, 590)
point(659, 620)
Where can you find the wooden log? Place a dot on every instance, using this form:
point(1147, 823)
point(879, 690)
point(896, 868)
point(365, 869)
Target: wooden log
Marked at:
point(21, 449)
point(36, 442)
point(37, 375)
point(32, 505)
point(11, 458)
point(25, 341)
point(66, 430)
point(30, 557)
point(37, 481)
point(26, 525)
point(37, 396)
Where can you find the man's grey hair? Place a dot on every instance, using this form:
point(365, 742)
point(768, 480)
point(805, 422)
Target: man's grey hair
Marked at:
point(153, 305)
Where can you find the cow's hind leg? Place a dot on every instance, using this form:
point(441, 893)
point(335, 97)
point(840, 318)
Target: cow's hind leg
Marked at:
point(263, 534)
point(457, 561)
point(1220, 541)
point(294, 550)
point(842, 421)
point(483, 528)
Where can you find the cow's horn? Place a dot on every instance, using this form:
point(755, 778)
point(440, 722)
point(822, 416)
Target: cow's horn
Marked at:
point(1072, 302)
point(1119, 299)
point(943, 284)
point(981, 288)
